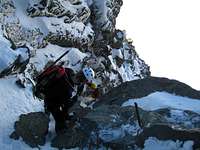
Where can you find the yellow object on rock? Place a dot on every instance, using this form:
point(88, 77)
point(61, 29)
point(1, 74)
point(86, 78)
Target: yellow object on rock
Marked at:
point(92, 85)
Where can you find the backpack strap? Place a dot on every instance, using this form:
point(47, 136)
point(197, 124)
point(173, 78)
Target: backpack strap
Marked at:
point(67, 77)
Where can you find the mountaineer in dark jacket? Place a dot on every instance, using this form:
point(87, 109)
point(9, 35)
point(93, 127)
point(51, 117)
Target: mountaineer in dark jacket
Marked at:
point(60, 88)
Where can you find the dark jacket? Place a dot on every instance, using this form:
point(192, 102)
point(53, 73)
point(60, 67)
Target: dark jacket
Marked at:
point(60, 89)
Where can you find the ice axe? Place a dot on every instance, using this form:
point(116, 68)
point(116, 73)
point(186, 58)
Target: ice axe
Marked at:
point(65, 53)
point(138, 115)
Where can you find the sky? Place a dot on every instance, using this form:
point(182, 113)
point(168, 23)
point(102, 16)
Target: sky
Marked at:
point(166, 35)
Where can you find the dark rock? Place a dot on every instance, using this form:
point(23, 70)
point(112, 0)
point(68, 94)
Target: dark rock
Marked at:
point(119, 61)
point(14, 136)
point(82, 134)
point(85, 131)
point(32, 128)
point(18, 64)
point(78, 136)
point(9, 70)
point(183, 118)
point(126, 143)
point(69, 139)
point(152, 117)
point(165, 132)
point(20, 83)
point(118, 39)
point(143, 87)
point(110, 116)
point(106, 116)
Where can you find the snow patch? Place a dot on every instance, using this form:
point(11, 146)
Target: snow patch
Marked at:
point(52, 52)
point(3, 40)
point(184, 118)
point(126, 72)
point(14, 102)
point(111, 134)
point(160, 100)
point(7, 56)
point(154, 144)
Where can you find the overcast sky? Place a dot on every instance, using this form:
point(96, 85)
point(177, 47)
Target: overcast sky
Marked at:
point(166, 34)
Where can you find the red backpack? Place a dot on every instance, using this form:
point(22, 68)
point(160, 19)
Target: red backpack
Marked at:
point(47, 78)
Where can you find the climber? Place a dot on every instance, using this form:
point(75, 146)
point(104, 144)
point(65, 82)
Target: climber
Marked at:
point(60, 88)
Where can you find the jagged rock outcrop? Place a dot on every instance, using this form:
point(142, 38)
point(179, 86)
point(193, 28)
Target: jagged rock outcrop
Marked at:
point(15, 31)
point(143, 87)
point(185, 119)
point(165, 132)
point(32, 128)
point(66, 22)
point(69, 10)
point(12, 60)
point(113, 127)
point(104, 14)
point(45, 26)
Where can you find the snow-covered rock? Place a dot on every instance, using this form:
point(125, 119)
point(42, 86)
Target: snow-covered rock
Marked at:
point(75, 34)
point(65, 21)
point(105, 13)
point(154, 143)
point(9, 58)
point(164, 132)
point(73, 24)
point(69, 10)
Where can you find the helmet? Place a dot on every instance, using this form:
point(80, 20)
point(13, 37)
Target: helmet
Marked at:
point(88, 73)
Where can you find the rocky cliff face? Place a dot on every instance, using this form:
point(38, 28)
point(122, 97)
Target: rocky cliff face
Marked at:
point(47, 28)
